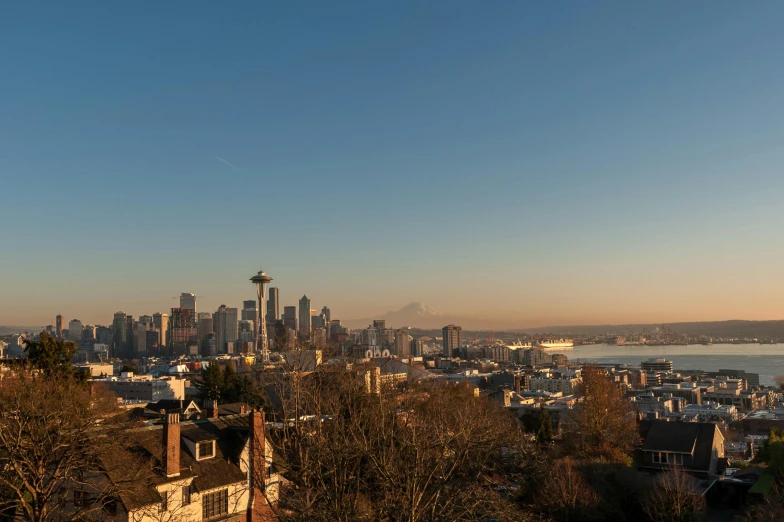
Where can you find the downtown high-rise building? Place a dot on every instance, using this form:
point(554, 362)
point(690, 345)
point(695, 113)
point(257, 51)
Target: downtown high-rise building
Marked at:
point(225, 325)
point(120, 338)
point(59, 326)
point(403, 343)
point(452, 338)
point(304, 318)
point(273, 305)
point(182, 325)
point(75, 330)
point(188, 301)
point(290, 317)
point(249, 310)
point(327, 314)
point(206, 327)
point(161, 322)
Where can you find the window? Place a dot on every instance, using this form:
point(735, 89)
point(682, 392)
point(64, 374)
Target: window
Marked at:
point(206, 449)
point(164, 500)
point(186, 495)
point(215, 504)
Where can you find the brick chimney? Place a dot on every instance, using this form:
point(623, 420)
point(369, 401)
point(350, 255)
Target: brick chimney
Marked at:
point(171, 444)
point(211, 407)
point(258, 465)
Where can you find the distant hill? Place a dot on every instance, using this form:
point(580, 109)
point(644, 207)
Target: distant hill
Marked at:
point(733, 328)
point(9, 330)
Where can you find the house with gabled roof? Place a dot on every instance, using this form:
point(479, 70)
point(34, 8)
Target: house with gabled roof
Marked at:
point(695, 447)
point(208, 469)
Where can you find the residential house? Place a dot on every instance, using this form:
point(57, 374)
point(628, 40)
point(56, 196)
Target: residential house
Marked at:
point(696, 447)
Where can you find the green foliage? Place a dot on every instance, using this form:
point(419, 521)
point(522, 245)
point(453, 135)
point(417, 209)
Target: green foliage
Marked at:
point(51, 355)
point(772, 452)
point(227, 386)
point(545, 431)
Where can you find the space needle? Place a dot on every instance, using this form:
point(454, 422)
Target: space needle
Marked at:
point(261, 280)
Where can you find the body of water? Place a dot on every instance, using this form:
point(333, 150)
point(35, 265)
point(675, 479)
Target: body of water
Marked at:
point(765, 359)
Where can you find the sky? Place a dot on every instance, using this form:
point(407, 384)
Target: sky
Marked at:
point(532, 162)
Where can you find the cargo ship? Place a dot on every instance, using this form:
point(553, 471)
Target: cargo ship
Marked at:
point(555, 344)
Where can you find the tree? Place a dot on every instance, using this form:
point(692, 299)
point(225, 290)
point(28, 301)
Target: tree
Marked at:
point(674, 498)
point(54, 431)
point(602, 426)
point(564, 493)
point(544, 433)
point(50, 354)
point(211, 384)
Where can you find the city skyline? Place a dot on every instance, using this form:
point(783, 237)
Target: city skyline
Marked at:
point(538, 164)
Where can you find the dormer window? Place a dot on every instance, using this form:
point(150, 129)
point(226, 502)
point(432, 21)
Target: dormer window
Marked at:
point(206, 449)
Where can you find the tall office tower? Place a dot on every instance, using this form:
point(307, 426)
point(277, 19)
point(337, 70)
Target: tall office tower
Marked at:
point(161, 322)
point(75, 330)
point(380, 324)
point(290, 317)
point(103, 335)
point(327, 314)
point(59, 326)
point(224, 323)
point(129, 324)
point(188, 301)
point(88, 332)
point(453, 338)
point(247, 331)
point(304, 318)
point(403, 343)
point(140, 339)
point(249, 312)
point(273, 305)
point(182, 325)
point(206, 327)
point(145, 319)
point(317, 321)
point(119, 334)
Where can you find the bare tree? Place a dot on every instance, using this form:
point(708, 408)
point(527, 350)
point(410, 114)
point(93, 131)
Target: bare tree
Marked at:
point(602, 426)
point(54, 431)
point(564, 493)
point(674, 498)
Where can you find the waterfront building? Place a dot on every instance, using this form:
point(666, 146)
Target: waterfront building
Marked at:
point(657, 365)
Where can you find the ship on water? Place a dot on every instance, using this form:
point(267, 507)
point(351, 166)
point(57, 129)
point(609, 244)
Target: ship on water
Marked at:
point(554, 344)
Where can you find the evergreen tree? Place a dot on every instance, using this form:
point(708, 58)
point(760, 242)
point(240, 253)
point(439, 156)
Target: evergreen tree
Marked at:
point(51, 355)
point(210, 386)
point(545, 431)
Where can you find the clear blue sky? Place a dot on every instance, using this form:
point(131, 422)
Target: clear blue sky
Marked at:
point(540, 162)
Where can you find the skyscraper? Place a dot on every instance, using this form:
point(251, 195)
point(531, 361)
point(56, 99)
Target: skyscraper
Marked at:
point(161, 322)
point(59, 326)
point(290, 317)
point(206, 327)
point(304, 318)
point(327, 314)
point(75, 330)
point(188, 301)
point(249, 312)
point(119, 335)
point(273, 305)
point(183, 330)
point(224, 323)
point(453, 338)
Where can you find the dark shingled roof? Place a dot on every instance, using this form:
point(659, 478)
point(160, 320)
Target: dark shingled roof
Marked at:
point(144, 447)
point(169, 405)
point(678, 437)
point(684, 437)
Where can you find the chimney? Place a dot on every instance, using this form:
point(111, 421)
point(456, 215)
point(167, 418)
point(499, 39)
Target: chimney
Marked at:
point(171, 443)
point(258, 463)
point(211, 406)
